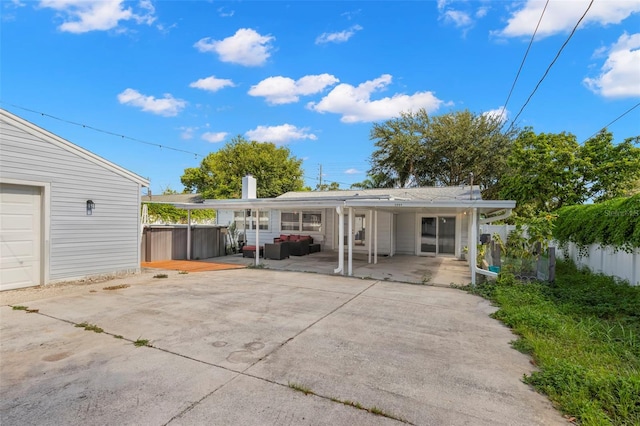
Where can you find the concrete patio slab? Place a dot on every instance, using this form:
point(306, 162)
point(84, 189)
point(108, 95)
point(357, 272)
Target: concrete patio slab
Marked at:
point(227, 345)
point(53, 373)
point(438, 271)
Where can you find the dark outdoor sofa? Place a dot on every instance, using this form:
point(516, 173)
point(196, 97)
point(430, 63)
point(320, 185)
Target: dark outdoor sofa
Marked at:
point(299, 245)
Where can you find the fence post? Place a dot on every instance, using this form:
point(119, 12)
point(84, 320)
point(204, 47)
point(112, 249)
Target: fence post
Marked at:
point(495, 253)
point(552, 264)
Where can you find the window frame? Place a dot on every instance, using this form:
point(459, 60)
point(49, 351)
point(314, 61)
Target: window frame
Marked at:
point(301, 222)
point(263, 220)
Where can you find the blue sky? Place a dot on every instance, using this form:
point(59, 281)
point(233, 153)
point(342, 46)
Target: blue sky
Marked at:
point(311, 75)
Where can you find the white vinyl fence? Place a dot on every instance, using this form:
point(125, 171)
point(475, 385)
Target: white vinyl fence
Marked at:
point(605, 260)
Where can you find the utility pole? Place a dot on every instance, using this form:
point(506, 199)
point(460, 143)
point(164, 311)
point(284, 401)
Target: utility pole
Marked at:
point(320, 179)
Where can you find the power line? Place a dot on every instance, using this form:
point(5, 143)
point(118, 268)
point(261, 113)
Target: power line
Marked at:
point(551, 64)
point(504, 107)
point(614, 120)
point(107, 132)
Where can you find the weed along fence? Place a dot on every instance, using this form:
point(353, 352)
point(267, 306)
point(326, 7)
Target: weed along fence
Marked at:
point(169, 242)
point(606, 260)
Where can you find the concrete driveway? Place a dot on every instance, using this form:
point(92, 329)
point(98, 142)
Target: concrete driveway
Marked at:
point(260, 347)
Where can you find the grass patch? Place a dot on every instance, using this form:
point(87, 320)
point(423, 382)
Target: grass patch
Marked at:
point(373, 410)
point(19, 308)
point(161, 276)
point(117, 336)
point(258, 266)
point(300, 388)
point(141, 342)
point(32, 311)
point(90, 327)
point(183, 272)
point(583, 332)
point(116, 287)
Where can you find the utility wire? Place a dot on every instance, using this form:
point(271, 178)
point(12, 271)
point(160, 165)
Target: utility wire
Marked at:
point(107, 132)
point(504, 107)
point(551, 64)
point(616, 119)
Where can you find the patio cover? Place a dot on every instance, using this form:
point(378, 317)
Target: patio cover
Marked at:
point(490, 210)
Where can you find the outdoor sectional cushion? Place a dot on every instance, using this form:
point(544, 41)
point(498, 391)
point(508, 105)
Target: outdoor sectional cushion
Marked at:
point(299, 248)
point(250, 251)
point(277, 251)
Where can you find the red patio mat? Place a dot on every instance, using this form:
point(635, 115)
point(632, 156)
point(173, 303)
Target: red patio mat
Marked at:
point(190, 265)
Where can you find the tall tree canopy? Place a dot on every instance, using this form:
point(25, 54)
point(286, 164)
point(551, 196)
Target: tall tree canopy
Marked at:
point(220, 173)
point(417, 150)
point(547, 171)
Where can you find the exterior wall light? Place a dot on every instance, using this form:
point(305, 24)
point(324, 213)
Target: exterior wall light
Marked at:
point(90, 206)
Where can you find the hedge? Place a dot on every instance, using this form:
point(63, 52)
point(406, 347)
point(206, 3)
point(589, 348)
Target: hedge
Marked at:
point(170, 214)
point(614, 223)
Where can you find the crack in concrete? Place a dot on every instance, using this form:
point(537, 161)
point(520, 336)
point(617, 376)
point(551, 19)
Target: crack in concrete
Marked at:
point(244, 373)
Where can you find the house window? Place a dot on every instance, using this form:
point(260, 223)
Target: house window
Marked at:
point(303, 221)
point(249, 217)
point(290, 221)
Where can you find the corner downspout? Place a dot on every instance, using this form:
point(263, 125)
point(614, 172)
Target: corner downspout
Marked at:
point(368, 235)
point(375, 236)
point(473, 244)
point(350, 239)
point(340, 268)
point(257, 225)
point(188, 234)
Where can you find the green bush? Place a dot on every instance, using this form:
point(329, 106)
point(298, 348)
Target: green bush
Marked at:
point(614, 223)
point(583, 332)
point(170, 214)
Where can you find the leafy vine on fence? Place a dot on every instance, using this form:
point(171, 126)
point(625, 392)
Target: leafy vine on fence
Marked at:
point(167, 213)
point(614, 223)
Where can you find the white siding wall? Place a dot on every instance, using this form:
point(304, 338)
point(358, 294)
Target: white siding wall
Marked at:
point(225, 217)
point(330, 220)
point(406, 233)
point(385, 222)
point(80, 245)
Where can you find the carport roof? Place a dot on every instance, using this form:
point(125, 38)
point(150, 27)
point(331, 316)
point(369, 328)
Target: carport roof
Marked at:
point(445, 198)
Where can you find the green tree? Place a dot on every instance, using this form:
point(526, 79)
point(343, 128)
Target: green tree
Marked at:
point(331, 186)
point(548, 171)
point(461, 143)
point(398, 152)
point(610, 170)
point(545, 173)
point(220, 173)
point(418, 150)
point(379, 180)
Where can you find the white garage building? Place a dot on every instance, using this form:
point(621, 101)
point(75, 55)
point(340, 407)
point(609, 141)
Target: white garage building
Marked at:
point(65, 213)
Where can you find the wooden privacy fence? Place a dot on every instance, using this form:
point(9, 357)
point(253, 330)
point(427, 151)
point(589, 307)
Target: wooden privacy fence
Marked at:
point(169, 242)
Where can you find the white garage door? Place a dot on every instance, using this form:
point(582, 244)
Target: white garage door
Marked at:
point(20, 236)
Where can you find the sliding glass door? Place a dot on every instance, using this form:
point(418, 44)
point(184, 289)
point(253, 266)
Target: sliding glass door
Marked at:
point(437, 235)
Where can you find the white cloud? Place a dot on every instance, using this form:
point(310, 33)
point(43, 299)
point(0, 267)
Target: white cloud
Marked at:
point(338, 37)
point(458, 18)
point(187, 132)
point(224, 13)
point(81, 16)
point(355, 104)
point(214, 137)
point(620, 73)
point(352, 171)
point(499, 113)
point(280, 134)
point(212, 83)
point(562, 16)
point(284, 90)
point(245, 47)
point(167, 106)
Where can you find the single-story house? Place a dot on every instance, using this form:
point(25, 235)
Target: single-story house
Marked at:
point(426, 221)
point(65, 213)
